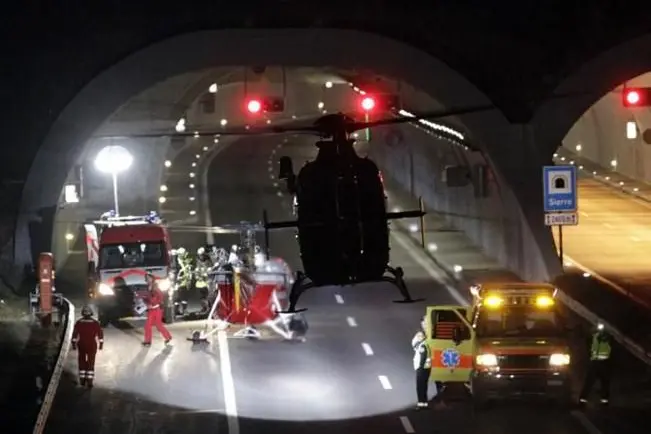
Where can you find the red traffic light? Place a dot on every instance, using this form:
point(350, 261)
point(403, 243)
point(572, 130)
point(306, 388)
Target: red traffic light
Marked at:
point(368, 103)
point(254, 106)
point(632, 97)
point(637, 97)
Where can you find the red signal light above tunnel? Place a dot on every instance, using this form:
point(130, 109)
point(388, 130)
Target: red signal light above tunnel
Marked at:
point(637, 97)
point(254, 106)
point(368, 103)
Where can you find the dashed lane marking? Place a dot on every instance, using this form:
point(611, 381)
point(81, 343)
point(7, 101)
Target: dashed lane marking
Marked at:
point(367, 349)
point(585, 422)
point(351, 321)
point(406, 425)
point(385, 382)
point(339, 298)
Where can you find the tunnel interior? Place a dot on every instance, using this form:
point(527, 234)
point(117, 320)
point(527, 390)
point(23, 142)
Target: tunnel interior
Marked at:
point(460, 166)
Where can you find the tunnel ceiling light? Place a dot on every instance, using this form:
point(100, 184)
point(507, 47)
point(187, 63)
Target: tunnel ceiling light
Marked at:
point(268, 121)
point(223, 122)
point(69, 237)
point(320, 105)
point(180, 125)
point(162, 199)
point(163, 187)
point(613, 163)
point(191, 174)
point(293, 116)
point(193, 212)
point(191, 185)
point(361, 92)
point(631, 130)
point(168, 163)
point(191, 198)
point(205, 148)
point(216, 140)
point(434, 126)
point(325, 112)
point(197, 156)
point(213, 88)
point(579, 147)
point(328, 84)
point(196, 134)
point(194, 164)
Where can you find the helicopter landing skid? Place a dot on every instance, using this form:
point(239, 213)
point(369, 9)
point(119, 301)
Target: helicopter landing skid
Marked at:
point(397, 278)
point(301, 284)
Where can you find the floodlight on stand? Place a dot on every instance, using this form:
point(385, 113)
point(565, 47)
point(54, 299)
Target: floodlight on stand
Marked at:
point(114, 159)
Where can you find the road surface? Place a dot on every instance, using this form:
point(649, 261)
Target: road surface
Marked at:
point(354, 374)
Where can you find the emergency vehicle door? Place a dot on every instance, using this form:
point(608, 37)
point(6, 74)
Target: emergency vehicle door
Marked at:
point(451, 340)
point(92, 244)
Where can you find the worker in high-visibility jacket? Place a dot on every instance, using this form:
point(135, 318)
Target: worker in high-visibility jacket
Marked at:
point(600, 367)
point(183, 280)
point(87, 338)
point(422, 366)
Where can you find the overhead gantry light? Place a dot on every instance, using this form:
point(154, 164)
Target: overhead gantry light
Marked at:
point(328, 84)
point(223, 122)
point(168, 163)
point(213, 88)
point(163, 188)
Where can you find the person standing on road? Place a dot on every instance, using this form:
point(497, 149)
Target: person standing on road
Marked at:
point(600, 366)
point(155, 305)
point(422, 366)
point(87, 338)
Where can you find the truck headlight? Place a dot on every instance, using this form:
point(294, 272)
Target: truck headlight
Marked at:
point(559, 359)
point(164, 284)
point(105, 289)
point(486, 360)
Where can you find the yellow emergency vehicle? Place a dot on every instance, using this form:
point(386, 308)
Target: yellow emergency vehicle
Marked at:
point(510, 342)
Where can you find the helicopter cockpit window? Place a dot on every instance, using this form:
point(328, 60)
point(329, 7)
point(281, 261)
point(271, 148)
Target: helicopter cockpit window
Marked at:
point(132, 255)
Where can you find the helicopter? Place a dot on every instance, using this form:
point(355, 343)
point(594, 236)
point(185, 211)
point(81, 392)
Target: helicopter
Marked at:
point(342, 220)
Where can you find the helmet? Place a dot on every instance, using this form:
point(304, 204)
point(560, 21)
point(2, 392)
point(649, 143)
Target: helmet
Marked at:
point(234, 248)
point(86, 311)
point(201, 251)
point(181, 251)
point(418, 338)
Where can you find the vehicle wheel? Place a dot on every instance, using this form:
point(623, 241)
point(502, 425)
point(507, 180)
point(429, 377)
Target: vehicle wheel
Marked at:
point(103, 318)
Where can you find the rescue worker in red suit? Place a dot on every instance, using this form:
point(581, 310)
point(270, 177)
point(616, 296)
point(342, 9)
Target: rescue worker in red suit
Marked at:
point(155, 306)
point(87, 338)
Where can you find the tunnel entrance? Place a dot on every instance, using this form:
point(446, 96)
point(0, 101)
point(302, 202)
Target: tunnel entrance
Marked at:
point(334, 49)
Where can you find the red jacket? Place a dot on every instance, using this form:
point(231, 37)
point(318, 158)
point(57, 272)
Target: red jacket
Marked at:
point(87, 333)
point(156, 299)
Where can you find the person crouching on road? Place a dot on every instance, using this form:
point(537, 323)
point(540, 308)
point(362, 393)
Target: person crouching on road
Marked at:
point(422, 366)
point(155, 305)
point(87, 337)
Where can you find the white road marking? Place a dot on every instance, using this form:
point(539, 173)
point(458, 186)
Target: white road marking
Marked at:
point(635, 239)
point(585, 423)
point(367, 349)
point(351, 321)
point(428, 267)
point(385, 382)
point(406, 424)
point(229, 384)
point(608, 225)
point(339, 299)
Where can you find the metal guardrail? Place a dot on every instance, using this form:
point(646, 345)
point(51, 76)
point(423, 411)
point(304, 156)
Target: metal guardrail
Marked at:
point(53, 384)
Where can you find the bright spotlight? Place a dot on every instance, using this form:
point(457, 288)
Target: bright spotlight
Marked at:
point(223, 122)
point(162, 199)
point(163, 188)
point(69, 237)
point(328, 84)
point(168, 163)
point(213, 88)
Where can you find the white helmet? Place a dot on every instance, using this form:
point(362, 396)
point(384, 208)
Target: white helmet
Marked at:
point(201, 251)
point(234, 248)
point(180, 251)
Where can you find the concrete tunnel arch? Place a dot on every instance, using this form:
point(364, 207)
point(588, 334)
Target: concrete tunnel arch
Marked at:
point(587, 85)
point(195, 51)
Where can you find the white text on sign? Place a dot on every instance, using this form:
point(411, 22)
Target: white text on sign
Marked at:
point(562, 219)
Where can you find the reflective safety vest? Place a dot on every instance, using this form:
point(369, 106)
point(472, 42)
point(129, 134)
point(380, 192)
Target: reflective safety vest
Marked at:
point(600, 349)
point(422, 356)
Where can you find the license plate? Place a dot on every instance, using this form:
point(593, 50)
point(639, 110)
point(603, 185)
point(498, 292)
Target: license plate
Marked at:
point(554, 383)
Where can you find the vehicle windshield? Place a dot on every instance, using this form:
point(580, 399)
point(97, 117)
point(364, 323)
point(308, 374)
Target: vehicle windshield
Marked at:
point(517, 321)
point(132, 255)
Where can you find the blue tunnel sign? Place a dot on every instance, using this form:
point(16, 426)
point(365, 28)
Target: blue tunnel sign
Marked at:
point(559, 189)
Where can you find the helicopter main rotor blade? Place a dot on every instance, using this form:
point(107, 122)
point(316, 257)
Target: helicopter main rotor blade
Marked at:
point(224, 229)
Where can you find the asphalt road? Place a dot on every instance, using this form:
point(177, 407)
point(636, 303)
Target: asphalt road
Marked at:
point(613, 237)
point(353, 374)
